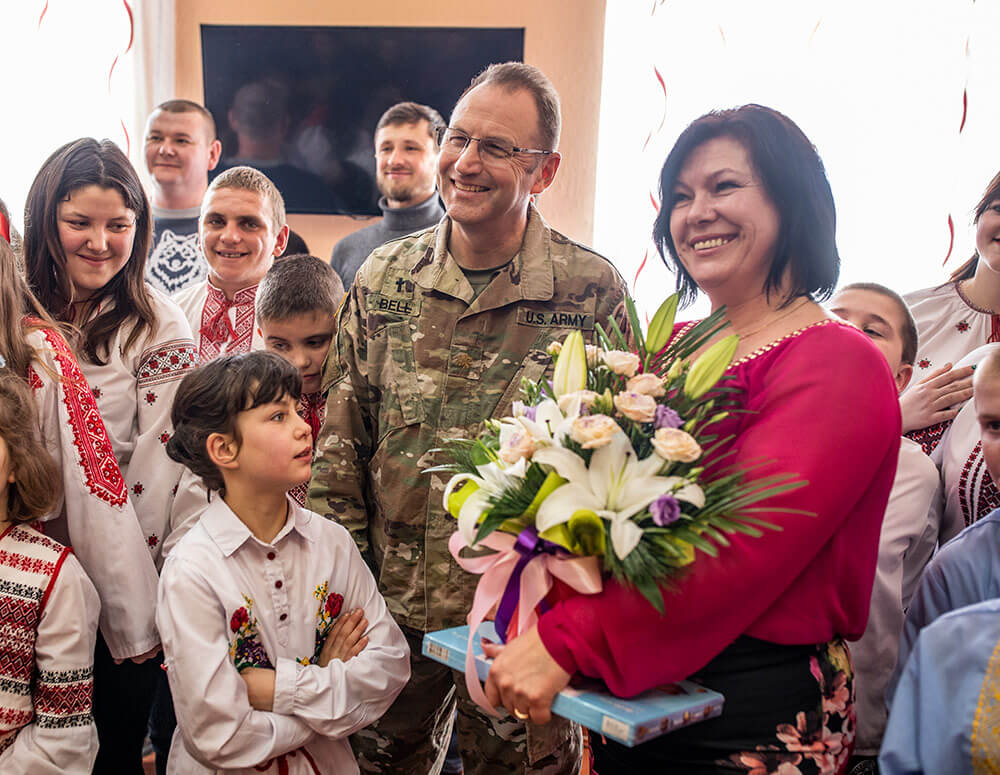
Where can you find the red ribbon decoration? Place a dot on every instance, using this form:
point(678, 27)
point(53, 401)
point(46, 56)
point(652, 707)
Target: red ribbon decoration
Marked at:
point(4, 227)
point(635, 282)
point(131, 39)
point(951, 239)
point(965, 109)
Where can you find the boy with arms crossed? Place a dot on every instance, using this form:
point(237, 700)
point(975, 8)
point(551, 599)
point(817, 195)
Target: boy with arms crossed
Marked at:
point(278, 644)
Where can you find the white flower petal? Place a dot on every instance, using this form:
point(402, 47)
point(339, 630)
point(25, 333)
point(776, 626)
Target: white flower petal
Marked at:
point(693, 494)
point(562, 503)
point(607, 467)
point(625, 536)
point(470, 513)
point(640, 492)
point(567, 464)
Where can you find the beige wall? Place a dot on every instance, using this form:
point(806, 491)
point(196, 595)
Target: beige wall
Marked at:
point(565, 38)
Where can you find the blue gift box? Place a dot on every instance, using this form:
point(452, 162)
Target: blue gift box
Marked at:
point(629, 722)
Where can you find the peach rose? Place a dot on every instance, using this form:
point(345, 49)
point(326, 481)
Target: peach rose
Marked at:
point(622, 363)
point(554, 348)
point(593, 431)
point(636, 406)
point(676, 445)
point(519, 444)
point(647, 384)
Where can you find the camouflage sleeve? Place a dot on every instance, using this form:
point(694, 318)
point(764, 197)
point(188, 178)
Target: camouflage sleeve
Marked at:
point(611, 304)
point(339, 486)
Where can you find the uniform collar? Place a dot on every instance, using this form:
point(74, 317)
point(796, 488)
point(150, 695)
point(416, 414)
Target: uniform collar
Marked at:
point(528, 276)
point(229, 533)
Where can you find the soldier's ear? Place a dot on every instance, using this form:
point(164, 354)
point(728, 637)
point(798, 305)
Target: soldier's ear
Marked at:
point(547, 173)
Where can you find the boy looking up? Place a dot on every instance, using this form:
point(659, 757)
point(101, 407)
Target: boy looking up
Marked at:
point(296, 307)
point(277, 642)
point(242, 228)
point(910, 527)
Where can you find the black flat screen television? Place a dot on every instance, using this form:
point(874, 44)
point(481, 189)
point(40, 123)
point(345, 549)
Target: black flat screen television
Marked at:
point(306, 99)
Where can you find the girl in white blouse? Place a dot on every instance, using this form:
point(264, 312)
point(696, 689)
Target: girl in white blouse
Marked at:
point(50, 607)
point(86, 239)
point(278, 644)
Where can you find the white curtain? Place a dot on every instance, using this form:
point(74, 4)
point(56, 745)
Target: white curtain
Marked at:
point(155, 55)
point(877, 86)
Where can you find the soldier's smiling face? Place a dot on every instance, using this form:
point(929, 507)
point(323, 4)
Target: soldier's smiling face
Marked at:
point(481, 191)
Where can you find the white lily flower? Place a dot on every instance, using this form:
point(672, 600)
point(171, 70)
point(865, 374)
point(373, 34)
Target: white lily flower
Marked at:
point(493, 479)
point(616, 486)
point(549, 426)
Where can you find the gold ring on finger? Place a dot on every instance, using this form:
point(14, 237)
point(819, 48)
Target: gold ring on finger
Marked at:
point(519, 715)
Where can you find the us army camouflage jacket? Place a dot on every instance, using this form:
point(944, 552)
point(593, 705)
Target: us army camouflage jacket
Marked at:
point(416, 361)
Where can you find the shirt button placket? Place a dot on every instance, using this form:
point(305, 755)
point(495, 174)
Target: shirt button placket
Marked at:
point(279, 598)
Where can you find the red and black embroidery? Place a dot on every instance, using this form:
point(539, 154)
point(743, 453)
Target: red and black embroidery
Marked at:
point(977, 493)
point(923, 363)
point(152, 540)
point(166, 362)
point(217, 332)
point(962, 326)
point(150, 398)
point(34, 381)
point(96, 391)
point(137, 488)
point(929, 437)
point(164, 437)
point(97, 458)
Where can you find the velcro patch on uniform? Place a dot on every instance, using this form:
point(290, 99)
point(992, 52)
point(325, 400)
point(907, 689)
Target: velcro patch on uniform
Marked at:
point(545, 318)
point(391, 305)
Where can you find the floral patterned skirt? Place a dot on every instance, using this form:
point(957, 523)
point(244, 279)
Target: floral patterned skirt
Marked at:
point(789, 711)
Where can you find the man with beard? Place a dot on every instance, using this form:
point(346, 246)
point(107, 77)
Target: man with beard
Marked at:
point(406, 154)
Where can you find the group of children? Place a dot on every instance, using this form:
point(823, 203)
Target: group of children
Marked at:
point(175, 464)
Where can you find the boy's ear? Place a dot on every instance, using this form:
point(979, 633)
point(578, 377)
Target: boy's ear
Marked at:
point(222, 450)
point(903, 377)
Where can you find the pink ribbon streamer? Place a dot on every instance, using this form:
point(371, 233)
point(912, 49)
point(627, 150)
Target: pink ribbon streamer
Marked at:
point(580, 573)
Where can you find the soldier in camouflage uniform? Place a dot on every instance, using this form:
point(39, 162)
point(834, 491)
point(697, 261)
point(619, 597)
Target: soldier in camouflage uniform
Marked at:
point(436, 335)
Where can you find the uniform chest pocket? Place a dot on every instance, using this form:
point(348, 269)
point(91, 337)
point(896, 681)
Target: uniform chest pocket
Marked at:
point(402, 402)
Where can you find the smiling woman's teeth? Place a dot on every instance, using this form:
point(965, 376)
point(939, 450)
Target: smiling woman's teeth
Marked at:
point(712, 243)
point(464, 187)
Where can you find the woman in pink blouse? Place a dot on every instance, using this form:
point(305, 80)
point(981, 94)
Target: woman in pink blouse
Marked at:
point(748, 218)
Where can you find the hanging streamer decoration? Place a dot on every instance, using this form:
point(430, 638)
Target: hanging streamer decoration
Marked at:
point(131, 40)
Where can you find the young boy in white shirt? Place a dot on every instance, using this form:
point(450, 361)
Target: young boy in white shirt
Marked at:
point(277, 642)
point(297, 305)
point(910, 527)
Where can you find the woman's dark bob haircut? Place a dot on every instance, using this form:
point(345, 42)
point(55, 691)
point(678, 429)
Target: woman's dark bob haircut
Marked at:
point(794, 178)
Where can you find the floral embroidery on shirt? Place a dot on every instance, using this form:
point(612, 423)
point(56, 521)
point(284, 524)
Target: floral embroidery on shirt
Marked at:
point(152, 540)
point(96, 391)
point(168, 362)
point(245, 649)
point(923, 363)
point(328, 610)
point(150, 398)
point(164, 437)
point(962, 326)
point(137, 488)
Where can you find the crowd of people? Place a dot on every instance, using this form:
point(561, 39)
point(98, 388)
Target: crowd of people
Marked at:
point(232, 436)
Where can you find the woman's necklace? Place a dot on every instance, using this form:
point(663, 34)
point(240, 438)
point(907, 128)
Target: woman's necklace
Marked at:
point(747, 334)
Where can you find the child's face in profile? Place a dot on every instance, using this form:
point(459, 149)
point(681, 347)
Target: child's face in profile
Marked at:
point(275, 445)
point(879, 319)
point(302, 340)
point(987, 401)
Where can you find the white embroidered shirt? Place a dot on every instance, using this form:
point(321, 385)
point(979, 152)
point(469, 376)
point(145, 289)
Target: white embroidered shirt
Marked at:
point(218, 324)
point(226, 599)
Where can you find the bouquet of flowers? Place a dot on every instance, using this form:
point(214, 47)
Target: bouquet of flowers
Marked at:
point(602, 471)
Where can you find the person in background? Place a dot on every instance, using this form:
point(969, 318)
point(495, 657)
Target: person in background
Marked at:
point(910, 528)
point(296, 310)
point(181, 148)
point(406, 155)
point(436, 335)
point(47, 648)
point(748, 218)
point(964, 572)
point(953, 319)
point(278, 644)
point(241, 230)
point(87, 236)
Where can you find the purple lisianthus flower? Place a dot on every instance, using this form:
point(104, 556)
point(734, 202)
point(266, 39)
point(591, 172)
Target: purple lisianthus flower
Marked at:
point(667, 418)
point(665, 510)
point(531, 412)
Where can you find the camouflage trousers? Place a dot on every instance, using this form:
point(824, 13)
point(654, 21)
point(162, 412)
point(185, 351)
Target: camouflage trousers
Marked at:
point(412, 737)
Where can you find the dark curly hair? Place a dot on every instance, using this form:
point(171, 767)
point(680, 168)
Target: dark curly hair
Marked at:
point(210, 398)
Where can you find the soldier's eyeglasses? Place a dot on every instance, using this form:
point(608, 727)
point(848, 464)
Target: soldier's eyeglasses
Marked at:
point(456, 141)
